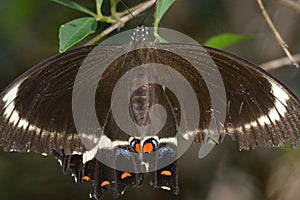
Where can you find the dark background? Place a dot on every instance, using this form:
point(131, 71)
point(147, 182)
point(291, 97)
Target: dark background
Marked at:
point(29, 34)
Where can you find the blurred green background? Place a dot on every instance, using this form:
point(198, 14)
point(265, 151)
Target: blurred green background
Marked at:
point(29, 34)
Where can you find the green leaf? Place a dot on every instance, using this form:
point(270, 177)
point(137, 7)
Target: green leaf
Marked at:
point(74, 31)
point(162, 7)
point(75, 6)
point(160, 38)
point(225, 40)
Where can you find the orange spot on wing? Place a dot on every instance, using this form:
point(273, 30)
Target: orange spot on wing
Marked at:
point(137, 148)
point(166, 173)
point(86, 178)
point(148, 148)
point(105, 183)
point(125, 175)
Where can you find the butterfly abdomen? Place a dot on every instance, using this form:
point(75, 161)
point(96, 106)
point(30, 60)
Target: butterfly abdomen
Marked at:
point(140, 101)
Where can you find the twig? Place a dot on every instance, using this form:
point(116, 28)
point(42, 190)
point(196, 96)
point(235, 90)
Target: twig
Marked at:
point(277, 35)
point(291, 4)
point(278, 63)
point(125, 12)
point(142, 7)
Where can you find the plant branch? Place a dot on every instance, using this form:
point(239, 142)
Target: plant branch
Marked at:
point(142, 7)
point(278, 63)
point(125, 12)
point(291, 4)
point(275, 32)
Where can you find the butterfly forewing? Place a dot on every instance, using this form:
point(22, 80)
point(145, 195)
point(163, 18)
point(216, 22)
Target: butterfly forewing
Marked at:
point(36, 112)
point(260, 110)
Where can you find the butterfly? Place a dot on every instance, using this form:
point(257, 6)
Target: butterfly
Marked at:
point(37, 111)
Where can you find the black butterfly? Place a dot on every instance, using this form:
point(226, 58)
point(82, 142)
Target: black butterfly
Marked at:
point(36, 111)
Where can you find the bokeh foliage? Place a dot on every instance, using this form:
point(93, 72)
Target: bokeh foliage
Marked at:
point(29, 34)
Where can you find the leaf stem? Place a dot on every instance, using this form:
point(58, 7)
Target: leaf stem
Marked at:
point(142, 7)
point(113, 8)
point(98, 9)
point(101, 18)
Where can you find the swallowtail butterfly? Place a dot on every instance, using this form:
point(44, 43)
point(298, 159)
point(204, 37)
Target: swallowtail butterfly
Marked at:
point(36, 111)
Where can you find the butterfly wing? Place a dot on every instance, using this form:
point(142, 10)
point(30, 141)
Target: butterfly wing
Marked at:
point(36, 110)
point(36, 115)
point(260, 110)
